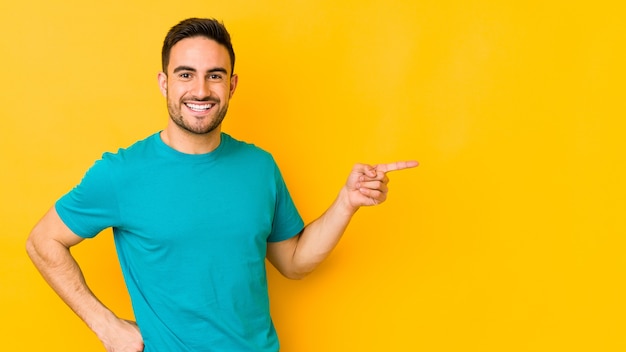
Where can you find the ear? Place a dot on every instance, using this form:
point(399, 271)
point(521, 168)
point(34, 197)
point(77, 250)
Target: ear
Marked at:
point(233, 84)
point(162, 78)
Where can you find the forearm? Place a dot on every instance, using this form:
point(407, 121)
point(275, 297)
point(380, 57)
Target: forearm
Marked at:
point(299, 255)
point(58, 267)
point(320, 237)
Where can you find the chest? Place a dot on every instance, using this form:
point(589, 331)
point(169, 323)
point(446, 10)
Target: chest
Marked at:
point(194, 208)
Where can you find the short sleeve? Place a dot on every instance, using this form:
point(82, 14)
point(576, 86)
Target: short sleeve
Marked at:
point(287, 221)
point(91, 206)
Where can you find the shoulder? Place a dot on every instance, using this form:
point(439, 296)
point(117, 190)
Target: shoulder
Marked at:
point(246, 150)
point(133, 157)
point(137, 151)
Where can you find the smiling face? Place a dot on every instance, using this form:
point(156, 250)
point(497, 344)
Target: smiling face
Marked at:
point(198, 85)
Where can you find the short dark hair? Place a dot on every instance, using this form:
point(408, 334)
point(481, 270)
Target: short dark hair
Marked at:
point(197, 27)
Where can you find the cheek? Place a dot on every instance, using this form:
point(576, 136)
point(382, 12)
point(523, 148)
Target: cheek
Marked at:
point(175, 91)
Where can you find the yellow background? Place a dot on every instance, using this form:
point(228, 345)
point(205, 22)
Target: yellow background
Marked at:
point(508, 237)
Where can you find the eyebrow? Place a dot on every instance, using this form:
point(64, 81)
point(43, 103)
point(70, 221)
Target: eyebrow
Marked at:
point(187, 68)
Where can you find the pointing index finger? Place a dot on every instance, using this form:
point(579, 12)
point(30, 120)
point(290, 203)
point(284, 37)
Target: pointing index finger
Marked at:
point(398, 165)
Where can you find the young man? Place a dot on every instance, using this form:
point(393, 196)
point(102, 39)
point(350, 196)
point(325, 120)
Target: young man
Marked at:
point(194, 214)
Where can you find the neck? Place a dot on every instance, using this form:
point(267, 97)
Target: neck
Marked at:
point(190, 143)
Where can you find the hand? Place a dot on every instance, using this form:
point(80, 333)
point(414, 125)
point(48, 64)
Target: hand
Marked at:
point(367, 185)
point(123, 336)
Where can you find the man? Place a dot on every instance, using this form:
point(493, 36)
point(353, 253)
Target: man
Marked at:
point(194, 214)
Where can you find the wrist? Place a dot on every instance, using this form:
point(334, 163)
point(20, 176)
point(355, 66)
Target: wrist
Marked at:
point(101, 322)
point(344, 203)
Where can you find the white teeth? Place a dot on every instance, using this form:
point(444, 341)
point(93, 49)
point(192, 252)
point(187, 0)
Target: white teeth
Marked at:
point(197, 107)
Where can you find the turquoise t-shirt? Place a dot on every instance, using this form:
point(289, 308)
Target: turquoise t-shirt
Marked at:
point(191, 233)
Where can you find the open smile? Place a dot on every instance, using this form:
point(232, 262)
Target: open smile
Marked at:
point(199, 107)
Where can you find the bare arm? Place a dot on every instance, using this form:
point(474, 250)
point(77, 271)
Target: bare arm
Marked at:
point(366, 185)
point(49, 248)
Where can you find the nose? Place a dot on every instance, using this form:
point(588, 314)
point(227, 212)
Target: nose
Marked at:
point(202, 89)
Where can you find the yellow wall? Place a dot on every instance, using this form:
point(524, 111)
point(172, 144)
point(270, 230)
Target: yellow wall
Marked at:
point(508, 237)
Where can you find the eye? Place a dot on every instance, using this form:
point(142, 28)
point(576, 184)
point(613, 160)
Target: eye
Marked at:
point(185, 75)
point(215, 77)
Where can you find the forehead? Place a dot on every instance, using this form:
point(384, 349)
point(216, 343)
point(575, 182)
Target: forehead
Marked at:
point(200, 53)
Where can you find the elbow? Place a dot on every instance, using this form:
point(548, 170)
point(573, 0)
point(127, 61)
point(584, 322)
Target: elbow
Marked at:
point(296, 273)
point(36, 245)
point(30, 247)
